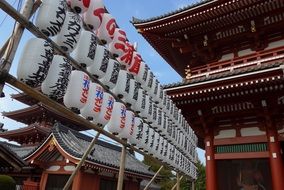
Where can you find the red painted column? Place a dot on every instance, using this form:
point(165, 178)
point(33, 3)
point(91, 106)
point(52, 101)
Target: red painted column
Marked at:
point(276, 162)
point(211, 174)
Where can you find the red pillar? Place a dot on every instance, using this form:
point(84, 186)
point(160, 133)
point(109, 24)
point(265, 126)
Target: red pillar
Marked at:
point(276, 162)
point(211, 177)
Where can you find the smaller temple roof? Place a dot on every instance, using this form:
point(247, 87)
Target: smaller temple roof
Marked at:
point(19, 151)
point(10, 158)
point(104, 154)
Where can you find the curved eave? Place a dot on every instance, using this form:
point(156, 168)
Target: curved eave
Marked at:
point(171, 15)
point(38, 111)
point(166, 52)
point(31, 129)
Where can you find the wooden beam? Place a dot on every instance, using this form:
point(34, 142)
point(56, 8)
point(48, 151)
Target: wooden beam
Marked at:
point(178, 181)
point(174, 187)
point(241, 155)
point(121, 168)
point(153, 178)
point(12, 46)
point(83, 159)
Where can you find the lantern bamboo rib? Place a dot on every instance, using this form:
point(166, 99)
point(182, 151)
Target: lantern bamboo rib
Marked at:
point(44, 99)
point(33, 29)
point(153, 178)
point(84, 157)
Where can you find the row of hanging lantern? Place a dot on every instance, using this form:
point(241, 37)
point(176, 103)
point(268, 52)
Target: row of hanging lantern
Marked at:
point(158, 128)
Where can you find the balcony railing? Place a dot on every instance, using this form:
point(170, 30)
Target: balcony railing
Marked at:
point(257, 58)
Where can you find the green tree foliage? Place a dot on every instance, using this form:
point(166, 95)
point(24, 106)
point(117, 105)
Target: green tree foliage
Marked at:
point(200, 183)
point(7, 183)
point(168, 180)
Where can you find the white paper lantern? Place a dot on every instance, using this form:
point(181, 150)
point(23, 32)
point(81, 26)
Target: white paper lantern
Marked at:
point(141, 77)
point(146, 109)
point(165, 150)
point(151, 140)
point(94, 103)
point(128, 130)
point(137, 131)
point(57, 78)
point(160, 96)
point(99, 68)
point(154, 123)
point(141, 98)
point(93, 16)
point(106, 30)
point(126, 57)
point(117, 45)
point(165, 121)
point(132, 97)
point(51, 16)
point(85, 50)
point(145, 137)
point(79, 6)
point(149, 81)
point(34, 61)
point(70, 32)
point(111, 76)
point(154, 90)
point(106, 110)
point(161, 148)
point(118, 118)
point(169, 131)
point(156, 144)
point(134, 67)
point(77, 92)
point(164, 102)
point(123, 84)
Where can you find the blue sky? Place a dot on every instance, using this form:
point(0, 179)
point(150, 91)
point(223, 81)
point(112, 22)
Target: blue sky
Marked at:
point(122, 11)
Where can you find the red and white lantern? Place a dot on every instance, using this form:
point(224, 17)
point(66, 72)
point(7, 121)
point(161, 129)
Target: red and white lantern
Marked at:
point(70, 32)
point(99, 68)
point(128, 130)
point(94, 103)
point(126, 57)
point(79, 6)
point(94, 15)
point(135, 64)
point(51, 24)
point(85, 50)
point(77, 92)
point(57, 78)
point(117, 45)
point(106, 110)
point(111, 76)
point(118, 118)
point(34, 61)
point(106, 30)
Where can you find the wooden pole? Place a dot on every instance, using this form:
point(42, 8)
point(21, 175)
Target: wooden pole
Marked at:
point(14, 40)
point(192, 185)
point(174, 187)
point(121, 168)
point(178, 181)
point(84, 157)
point(153, 178)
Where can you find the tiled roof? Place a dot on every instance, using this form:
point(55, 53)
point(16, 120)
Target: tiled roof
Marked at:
point(185, 8)
point(19, 151)
point(75, 143)
point(224, 74)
